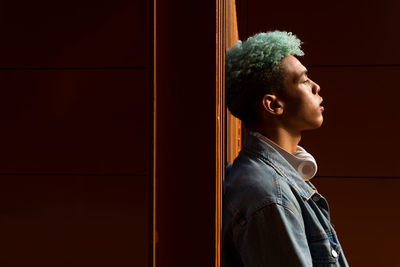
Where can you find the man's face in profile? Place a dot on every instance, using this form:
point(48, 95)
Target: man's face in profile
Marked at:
point(302, 103)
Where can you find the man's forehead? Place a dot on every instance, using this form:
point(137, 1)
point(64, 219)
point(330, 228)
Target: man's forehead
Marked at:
point(293, 63)
point(293, 66)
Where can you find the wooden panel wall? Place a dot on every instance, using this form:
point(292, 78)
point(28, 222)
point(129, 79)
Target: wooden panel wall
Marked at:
point(351, 52)
point(364, 212)
point(76, 147)
point(186, 116)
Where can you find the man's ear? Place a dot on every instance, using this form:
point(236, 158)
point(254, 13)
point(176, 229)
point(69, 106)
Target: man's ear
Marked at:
point(272, 104)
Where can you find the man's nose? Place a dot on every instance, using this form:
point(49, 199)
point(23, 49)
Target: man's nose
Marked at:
point(316, 88)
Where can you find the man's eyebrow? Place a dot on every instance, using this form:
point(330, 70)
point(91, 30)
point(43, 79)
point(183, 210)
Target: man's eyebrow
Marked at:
point(305, 72)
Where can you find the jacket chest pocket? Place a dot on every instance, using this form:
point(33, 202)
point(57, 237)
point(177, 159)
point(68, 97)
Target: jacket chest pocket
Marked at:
point(324, 252)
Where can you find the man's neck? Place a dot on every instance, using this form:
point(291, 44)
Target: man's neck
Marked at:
point(286, 140)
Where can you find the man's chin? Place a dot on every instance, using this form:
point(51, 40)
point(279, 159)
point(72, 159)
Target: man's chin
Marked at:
point(314, 125)
point(320, 122)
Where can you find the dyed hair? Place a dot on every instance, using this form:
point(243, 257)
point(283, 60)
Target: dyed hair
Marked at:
point(253, 69)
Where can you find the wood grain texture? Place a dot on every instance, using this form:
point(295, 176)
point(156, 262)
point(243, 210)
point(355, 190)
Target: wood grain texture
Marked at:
point(220, 126)
point(233, 124)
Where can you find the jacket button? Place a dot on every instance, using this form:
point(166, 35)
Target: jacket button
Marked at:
point(334, 253)
point(316, 197)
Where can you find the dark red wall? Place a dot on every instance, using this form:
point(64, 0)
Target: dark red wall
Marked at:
point(350, 51)
point(76, 136)
point(186, 82)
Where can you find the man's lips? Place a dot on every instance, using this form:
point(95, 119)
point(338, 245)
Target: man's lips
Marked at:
point(320, 106)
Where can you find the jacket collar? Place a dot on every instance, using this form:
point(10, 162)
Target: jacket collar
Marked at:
point(271, 156)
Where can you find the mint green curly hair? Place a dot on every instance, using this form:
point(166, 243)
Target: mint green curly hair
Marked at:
point(252, 69)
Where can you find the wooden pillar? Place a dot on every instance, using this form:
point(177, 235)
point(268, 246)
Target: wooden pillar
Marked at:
point(233, 125)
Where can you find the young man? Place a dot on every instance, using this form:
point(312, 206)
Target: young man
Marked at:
point(272, 215)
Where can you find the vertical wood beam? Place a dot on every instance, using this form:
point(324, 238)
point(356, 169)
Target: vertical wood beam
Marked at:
point(154, 224)
point(220, 125)
point(233, 125)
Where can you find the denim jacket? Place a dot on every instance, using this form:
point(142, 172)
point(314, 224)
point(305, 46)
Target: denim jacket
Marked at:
point(272, 217)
